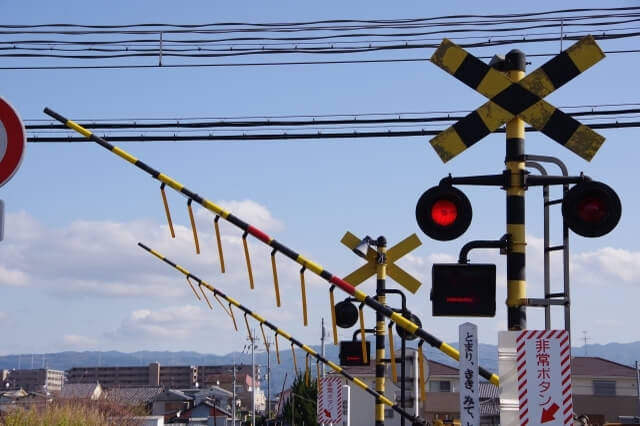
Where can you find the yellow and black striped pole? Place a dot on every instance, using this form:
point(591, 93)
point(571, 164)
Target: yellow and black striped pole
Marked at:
point(379, 396)
point(359, 295)
point(515, 166)
point(381, 274)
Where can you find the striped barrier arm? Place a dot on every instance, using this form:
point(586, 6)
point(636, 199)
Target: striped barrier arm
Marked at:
point(359, 295)
point(335, 367)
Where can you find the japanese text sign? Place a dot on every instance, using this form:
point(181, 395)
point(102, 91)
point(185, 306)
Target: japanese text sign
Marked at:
point(544, 377)
point(330, 400)
point(469, 398)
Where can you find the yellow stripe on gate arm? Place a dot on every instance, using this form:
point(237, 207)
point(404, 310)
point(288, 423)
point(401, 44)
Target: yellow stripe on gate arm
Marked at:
point(78, 128)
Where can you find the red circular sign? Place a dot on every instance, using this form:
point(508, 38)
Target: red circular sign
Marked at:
point(13, 141)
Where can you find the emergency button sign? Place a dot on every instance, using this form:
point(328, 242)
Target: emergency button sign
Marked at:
point(13, 141)
point(544, 377)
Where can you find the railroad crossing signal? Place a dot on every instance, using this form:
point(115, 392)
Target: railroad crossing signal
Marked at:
point(443, 212)
point(591, 209)
point(508, 99)
point(366, 271)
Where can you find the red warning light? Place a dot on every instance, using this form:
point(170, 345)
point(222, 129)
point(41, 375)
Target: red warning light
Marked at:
point(444, 212)
point(591, 209)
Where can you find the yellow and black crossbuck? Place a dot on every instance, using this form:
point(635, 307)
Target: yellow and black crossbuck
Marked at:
point(398, 274)
point(508, 99)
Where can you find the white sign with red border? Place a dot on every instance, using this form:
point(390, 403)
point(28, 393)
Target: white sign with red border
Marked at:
point(13, 141)
point(330, 400)
point(544, 377)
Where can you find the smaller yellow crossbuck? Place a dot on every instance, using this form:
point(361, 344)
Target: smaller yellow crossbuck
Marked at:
point(398, 274)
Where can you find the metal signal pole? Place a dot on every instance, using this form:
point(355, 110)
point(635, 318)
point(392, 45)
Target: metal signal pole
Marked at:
point(515, 166)
point(381, 272)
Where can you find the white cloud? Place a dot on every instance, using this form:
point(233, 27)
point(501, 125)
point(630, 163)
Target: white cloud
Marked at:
point(607, 266)
point(101, 258)
point(249, 211)
point(441, 258)
point(75, 341)
point(181, 323)
point(13, 277)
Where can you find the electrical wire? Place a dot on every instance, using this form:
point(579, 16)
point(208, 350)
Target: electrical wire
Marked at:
point(288, 136)
point(486, 30)
point(361, 119)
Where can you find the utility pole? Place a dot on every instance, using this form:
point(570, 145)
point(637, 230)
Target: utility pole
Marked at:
point(233, 404)
point(267, 344)
point(638, 386)
point(252, 339)
point(322, 337)
point(253, 381)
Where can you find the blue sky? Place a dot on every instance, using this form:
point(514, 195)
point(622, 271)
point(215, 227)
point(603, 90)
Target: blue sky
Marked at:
point(72, 277)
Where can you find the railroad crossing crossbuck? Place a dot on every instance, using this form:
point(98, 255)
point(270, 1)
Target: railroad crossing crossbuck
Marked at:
point(508, 99)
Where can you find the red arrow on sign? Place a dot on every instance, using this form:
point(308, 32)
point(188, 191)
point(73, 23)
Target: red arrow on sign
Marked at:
point(548, 414)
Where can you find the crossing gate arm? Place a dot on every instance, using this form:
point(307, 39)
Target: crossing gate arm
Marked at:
point(404, 323)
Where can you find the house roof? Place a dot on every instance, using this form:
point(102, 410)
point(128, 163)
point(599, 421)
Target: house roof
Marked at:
point(439, 369)
point(78, 390)
point(172, 395)
point(14, 393)
point(211, 404)
point(133, 395)
point(487, 390)
point(596, 366)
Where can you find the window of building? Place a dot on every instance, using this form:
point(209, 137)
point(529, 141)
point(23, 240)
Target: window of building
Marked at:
point(439, 386)
point(604, 387)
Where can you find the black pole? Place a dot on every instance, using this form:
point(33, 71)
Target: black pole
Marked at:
point(515, 167)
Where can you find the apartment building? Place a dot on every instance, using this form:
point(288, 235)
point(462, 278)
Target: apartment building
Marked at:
point(34, 380)
point(151, 375)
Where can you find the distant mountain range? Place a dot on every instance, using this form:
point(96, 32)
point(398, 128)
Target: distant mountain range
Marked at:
point(623, 353)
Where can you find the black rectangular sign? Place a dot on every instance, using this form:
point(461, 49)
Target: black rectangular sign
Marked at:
point(463, 290)
point(351, 353)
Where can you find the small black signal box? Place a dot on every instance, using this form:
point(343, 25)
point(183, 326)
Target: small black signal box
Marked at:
point(351, 353)
point(463, 290)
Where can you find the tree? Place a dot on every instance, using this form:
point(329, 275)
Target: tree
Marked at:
point(303, 397)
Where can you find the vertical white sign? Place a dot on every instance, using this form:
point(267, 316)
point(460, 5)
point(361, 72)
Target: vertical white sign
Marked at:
point(346, 405)
point(469, 398)
point(329, 407)
point(544, 377)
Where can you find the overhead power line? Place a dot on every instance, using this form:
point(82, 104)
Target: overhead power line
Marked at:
point(60, 43)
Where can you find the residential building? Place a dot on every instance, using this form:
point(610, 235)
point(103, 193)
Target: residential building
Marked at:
point(85, 391)
point(187, 405)
point(34, 380)
point(140, 396)
point(151, 375)
point(603, 390)
point(362, 403)
point(21, 399)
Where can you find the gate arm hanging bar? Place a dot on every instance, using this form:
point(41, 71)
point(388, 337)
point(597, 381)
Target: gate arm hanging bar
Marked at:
point(404, 323)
